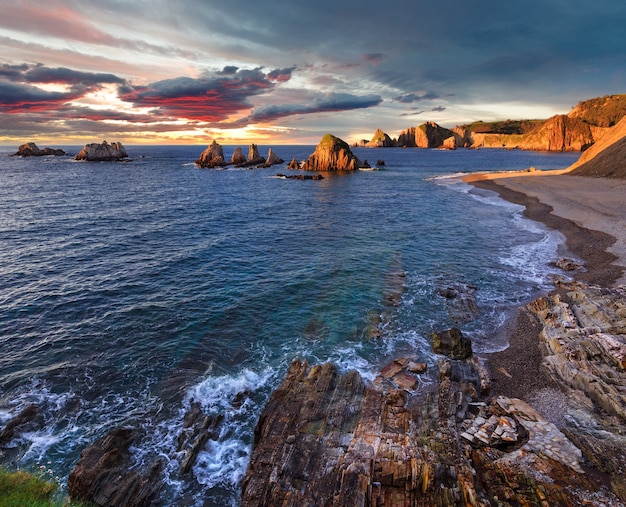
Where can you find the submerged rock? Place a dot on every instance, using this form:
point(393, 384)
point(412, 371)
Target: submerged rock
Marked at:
point(104, 151)
point(212, 157)
point(32, 150)
point(332, 154)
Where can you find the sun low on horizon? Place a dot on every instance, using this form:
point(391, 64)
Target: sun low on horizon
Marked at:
point(282, 73)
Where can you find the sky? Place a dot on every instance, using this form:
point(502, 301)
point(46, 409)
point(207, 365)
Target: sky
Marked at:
point(289, 71)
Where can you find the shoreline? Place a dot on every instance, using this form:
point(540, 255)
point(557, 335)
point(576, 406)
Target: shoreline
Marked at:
point(516, 371)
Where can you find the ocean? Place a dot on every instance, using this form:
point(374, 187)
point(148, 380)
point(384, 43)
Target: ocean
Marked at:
point(130, 290)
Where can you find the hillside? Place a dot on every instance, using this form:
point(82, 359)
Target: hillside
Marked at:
point(606, 158)
point(604, 111)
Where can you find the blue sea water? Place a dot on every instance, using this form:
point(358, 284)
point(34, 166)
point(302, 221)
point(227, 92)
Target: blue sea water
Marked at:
point(127, 290)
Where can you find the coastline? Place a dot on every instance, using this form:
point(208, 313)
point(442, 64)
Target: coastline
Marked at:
point(516, 371)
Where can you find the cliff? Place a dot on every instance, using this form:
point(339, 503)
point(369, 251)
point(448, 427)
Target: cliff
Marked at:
point(559, 133)
point(606, 158)
point(332, 154)
point(104, 151)
point(431, 135)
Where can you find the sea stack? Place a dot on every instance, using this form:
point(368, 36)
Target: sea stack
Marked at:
point(332, 154)
point(238, 157)
point(212, 157)
point(95, 152)
point(253, 155)
point(32, 150)
point(272, 159)
point(380, 140)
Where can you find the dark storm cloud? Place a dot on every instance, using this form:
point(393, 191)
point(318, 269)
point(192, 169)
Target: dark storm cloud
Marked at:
point(332, 102)
point(413, 97)
point(19, 97)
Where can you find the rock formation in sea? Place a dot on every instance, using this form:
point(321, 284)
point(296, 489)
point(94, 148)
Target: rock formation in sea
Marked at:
point(293, 164)
point(99, 152)
point(32, 150)
point(253, 155)
point(238, 157)
point(380, 140)
point(431, 135)
point(332, 154)
point(272, 159)
point(606, 158)
point(212, 157)
point(406, 139)
point(411, 438)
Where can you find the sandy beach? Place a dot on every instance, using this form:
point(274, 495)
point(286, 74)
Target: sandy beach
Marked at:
point(591, 213)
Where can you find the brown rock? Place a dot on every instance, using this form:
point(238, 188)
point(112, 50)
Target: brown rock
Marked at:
point(103, 152)
point(103, 477)
point(272, 159)
point(253, 155)
point(212, 157)
point(431, 135)
point(380, 140)
point(294, 164)
point(238, 157)
point(32, 150)
point(332, 154)
point(451, 343)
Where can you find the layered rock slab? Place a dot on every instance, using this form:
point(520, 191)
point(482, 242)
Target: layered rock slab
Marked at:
point(330, 439)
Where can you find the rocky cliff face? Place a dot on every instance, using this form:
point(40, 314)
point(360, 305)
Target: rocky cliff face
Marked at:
point(332, 154)
point(406, 139)
point(559, 133)
point(606, 158)
point(431, 135)
point(104, 151)
point(380, 140)
point(212, 157)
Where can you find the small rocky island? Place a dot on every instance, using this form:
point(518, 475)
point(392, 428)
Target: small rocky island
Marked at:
point(102, 152)
point(32, 150)
point(332, 154)
point(213, 157)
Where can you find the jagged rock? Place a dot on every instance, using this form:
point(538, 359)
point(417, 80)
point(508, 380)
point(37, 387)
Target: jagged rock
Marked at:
point(583, 341)
point(272, 159)
point(294, 164)
point(380, 140)
point(567, 264)
point(32, 150)
point(103, 477)
point(431, 135)
point(198, 428)
point(103, 152)
point(238, 157)
point(253, 155)
point(380, 162)
point(212, 157)
point(23, 421)
point(451, 343)
point(406, 139)
point(332, 154)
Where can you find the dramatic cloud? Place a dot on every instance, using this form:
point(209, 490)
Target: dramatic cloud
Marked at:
point(331, 102)
point(212, 98)
point(283, 59)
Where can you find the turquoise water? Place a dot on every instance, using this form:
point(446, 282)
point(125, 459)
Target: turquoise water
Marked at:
point(129, 289)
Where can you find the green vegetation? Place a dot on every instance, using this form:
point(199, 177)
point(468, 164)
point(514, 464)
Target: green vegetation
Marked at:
point(504, 127)
point(330, 140)
point(25, 489)
point(602, 112)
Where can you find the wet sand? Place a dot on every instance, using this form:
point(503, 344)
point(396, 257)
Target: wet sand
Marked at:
point(591, 214)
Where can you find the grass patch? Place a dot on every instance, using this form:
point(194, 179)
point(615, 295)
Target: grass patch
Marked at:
point(24, 489)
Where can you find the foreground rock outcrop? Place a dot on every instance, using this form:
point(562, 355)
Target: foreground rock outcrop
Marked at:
point(103, 477)
point(102, 152)
point(32, 150)
point(332, 154)
point(418, 438)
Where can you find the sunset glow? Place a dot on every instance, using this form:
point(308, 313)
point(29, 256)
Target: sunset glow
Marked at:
point(287, 73)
